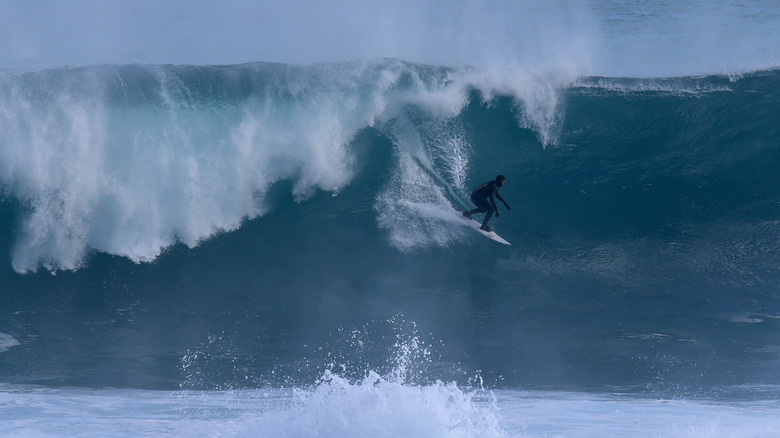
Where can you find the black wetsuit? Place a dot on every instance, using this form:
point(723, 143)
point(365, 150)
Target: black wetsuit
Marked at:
point(484, 198)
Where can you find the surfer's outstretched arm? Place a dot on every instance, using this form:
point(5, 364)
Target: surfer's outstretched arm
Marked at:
point(502, 200)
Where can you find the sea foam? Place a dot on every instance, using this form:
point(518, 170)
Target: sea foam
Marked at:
point(129, 160)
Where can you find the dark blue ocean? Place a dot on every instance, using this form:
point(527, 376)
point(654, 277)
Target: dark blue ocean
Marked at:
point(187, 228)
point(271, 249)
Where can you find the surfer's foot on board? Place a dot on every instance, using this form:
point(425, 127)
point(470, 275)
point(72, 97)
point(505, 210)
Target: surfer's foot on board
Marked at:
point(467, 213)
point(485, 228)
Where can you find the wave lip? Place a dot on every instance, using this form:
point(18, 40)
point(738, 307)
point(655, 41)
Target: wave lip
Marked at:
point(129, 160)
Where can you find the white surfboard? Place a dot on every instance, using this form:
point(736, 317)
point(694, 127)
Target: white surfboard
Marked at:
point(476, 225)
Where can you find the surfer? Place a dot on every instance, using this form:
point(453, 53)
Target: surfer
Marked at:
point(484, 197)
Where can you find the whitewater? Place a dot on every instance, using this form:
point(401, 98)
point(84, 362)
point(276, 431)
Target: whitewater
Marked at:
point(250, 231)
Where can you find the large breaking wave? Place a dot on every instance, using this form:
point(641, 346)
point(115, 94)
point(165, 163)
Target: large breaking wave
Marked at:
point(129, 160)
point(278, 202)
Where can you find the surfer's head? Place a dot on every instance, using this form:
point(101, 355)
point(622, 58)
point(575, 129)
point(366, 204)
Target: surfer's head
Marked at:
point(500, 180)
